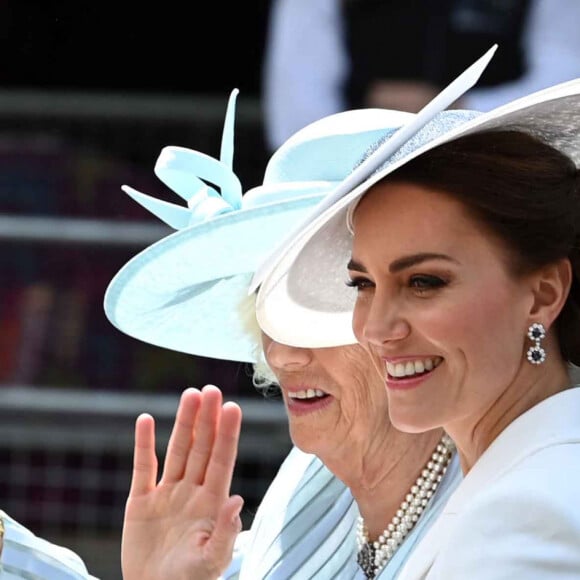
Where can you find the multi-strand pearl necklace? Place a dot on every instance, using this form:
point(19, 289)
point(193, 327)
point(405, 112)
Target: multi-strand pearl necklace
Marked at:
point(373, 556)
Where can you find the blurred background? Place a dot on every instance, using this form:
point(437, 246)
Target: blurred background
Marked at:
point(89, 94)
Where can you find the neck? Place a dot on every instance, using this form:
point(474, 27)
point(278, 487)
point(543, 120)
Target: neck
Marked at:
point(533, 385)
point(380, 479)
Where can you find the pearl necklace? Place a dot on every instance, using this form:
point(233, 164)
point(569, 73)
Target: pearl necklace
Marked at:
point(373, 556)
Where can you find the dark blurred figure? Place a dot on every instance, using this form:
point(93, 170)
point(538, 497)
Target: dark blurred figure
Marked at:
point(325, 56)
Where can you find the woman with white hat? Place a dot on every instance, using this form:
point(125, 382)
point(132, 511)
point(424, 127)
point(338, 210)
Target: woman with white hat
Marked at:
point(460, 235)
point(189, 292)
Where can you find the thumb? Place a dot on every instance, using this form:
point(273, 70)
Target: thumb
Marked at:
point(227, 527)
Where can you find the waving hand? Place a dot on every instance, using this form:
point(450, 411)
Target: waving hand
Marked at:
point(185, 525)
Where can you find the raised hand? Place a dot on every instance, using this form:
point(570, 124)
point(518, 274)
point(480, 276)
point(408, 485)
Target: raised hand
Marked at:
point(184, 526)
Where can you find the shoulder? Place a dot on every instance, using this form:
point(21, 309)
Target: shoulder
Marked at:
point(23, 552)
point(526, 524)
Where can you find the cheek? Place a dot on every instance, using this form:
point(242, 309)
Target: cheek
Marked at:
point(474, 327)
point(359, 317)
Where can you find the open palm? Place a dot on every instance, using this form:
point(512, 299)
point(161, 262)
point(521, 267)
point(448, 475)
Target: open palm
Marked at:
point(185, 525)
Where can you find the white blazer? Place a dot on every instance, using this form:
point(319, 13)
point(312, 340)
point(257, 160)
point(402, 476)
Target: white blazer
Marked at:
point(516, 514)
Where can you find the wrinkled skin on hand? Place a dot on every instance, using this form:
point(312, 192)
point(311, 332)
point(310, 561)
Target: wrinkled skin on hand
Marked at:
point(185, 525)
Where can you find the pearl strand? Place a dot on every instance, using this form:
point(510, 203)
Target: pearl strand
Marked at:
point(372, 557)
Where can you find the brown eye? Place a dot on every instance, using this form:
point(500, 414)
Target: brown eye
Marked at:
point(425, 282)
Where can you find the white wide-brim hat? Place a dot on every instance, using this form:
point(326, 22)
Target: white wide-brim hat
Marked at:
point(188, 292)
point(303, 299)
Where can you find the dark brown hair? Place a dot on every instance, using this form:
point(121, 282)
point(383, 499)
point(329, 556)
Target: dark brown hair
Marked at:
point(525, 192)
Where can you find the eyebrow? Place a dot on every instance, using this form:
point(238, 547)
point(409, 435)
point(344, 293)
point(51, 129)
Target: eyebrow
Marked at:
point(404, 262)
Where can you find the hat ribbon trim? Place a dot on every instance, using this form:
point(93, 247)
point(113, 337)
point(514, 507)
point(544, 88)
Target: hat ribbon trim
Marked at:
point(208, 185)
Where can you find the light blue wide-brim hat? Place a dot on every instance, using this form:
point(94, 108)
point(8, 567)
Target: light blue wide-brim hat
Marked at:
point(303, 299)
point(188, 292)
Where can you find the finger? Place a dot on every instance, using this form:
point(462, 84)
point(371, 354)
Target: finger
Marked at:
point(220, 469)
point(181, 437)
point(144, 476)
point(220, 546)
point(206, 425)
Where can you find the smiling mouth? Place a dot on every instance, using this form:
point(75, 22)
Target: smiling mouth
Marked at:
point(412, 368)
point(307, 395)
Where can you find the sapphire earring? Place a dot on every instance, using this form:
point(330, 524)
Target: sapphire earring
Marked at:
point(536, 354)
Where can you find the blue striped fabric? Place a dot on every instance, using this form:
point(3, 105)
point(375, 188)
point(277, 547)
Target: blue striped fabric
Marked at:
point(305, 527)
point(25, 555)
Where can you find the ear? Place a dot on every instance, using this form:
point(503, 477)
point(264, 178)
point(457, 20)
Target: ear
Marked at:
point(551, 287)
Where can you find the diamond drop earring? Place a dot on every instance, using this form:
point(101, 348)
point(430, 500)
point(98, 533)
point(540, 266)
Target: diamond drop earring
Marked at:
point(536, 354)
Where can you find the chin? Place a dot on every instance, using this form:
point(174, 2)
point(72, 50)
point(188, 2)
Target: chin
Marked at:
point(413, 423)
point(300, 438)
point(306, 447)
point(305, 440)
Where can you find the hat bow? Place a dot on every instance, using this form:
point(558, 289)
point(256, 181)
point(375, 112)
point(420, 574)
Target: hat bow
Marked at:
point(196, 178)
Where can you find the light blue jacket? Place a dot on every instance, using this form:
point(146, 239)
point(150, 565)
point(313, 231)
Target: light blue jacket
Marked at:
point(25, 555)
point(305, 527)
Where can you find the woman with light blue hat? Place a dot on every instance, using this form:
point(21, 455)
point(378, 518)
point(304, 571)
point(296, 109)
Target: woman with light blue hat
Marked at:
point(354, 496)
point(458, 239)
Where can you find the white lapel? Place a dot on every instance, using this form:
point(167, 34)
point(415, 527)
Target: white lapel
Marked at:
point(553, 421)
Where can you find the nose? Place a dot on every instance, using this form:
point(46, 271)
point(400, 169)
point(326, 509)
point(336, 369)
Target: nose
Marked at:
point(282, 356)
point(379, 321)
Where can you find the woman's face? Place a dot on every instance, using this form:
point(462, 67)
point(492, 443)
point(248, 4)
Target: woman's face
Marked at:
point(436, 306)
point(334, 397)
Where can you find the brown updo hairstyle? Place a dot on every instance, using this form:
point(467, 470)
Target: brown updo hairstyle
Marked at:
point(525, 192)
